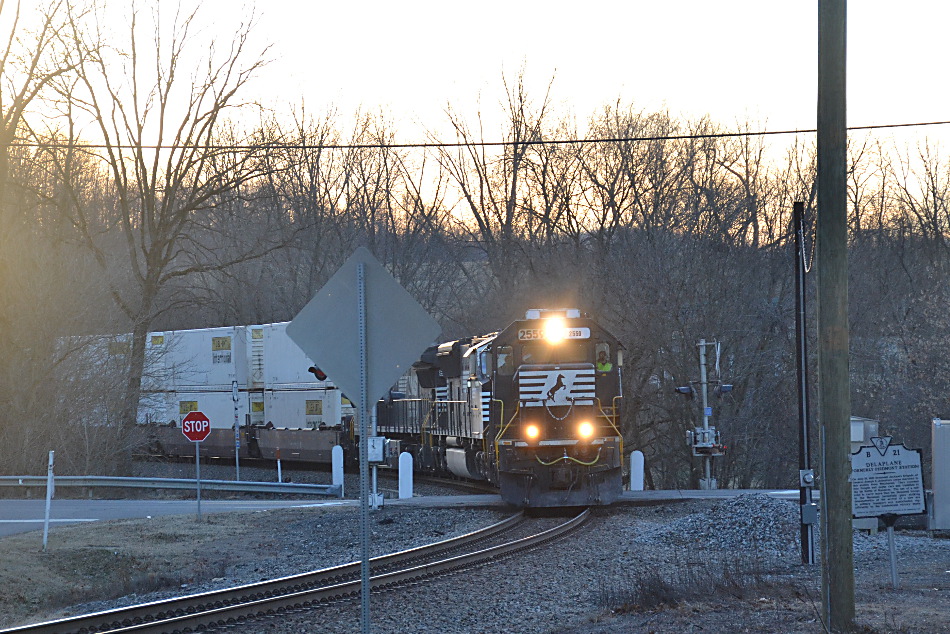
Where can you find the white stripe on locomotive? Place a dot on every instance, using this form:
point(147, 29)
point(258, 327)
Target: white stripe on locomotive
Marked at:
point(556, 387)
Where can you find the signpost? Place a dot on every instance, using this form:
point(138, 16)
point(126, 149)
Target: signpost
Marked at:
point(235, 397)
point(196, 427)
point(364, 330)
point(887, 482)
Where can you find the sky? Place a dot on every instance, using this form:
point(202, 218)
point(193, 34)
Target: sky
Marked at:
point(734, 60)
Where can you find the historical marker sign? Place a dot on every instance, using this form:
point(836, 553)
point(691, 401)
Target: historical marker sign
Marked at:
point(886, 479)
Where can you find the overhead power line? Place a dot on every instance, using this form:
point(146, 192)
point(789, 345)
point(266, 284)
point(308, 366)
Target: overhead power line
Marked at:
point(439, 144)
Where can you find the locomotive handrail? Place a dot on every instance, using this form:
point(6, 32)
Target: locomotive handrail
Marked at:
point(613, 406)
point(501, 417)
point(425, 423)
point(505, 428)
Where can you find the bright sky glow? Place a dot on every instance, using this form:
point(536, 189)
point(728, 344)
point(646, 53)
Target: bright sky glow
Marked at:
point(735, 60)
point(732, 59)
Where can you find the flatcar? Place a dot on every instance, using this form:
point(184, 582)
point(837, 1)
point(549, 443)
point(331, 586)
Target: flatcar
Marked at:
point(533, 409)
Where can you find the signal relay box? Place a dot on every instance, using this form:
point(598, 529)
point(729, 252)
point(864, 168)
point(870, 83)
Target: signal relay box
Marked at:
point(705, 441)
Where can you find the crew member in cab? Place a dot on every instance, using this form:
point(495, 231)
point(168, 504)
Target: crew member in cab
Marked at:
point(603, 362)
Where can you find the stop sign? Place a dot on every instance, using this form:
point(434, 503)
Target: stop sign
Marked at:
point(196, 426)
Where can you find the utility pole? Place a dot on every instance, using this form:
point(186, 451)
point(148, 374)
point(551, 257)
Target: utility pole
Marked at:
point(837, 549)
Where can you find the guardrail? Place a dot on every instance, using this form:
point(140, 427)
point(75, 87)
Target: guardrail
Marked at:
point(334, 490)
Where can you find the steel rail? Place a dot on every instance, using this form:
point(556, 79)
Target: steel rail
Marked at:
point(273, 606)
point(149, 615)
point(334, 490)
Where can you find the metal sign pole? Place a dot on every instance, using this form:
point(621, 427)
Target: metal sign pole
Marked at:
point(364, 453)
point(806, 477)
point(237, 432)
point(889, 519)
point(388, 323)
point(703, 383)
point(198, 478)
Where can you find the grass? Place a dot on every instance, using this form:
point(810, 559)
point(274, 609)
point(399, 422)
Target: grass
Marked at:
point(648, 586)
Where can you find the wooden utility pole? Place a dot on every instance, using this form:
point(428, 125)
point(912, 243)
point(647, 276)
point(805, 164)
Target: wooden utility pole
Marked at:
point(837, 563)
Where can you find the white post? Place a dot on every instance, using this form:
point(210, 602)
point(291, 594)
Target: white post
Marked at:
point(49, 497)
point(405, 475)
point(336, 459)
point(636, 470)
point(280, 475)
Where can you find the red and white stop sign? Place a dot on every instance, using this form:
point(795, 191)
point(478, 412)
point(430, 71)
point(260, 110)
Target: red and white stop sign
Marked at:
point(196, 426)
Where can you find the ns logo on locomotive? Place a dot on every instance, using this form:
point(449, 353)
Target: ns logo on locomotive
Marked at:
point(533, 409)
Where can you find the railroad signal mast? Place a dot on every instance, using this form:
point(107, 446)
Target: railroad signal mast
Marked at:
point(705, 440)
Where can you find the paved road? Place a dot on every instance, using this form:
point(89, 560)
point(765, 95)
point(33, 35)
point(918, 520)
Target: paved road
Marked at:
point(20, 516)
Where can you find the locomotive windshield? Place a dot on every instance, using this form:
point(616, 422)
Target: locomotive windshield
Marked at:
point(565, 352)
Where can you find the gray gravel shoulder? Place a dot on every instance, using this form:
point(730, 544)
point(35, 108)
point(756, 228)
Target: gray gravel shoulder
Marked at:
point(583, 582)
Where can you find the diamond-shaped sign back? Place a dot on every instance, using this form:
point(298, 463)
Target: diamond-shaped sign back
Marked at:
point(398, 329)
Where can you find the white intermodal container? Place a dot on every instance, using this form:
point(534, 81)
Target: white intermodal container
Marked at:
point(302, 409)
point(285, 364)
point(206, 359)
point(217, 406)
point(197, 369)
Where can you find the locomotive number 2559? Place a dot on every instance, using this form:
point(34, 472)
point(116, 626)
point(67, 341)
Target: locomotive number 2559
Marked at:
point(532, 334)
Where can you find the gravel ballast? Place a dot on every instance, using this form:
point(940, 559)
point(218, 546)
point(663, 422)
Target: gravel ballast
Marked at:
point(582, 583)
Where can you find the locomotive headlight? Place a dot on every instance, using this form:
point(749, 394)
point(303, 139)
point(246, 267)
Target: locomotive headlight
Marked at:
point(585, 430)
point(532, 432)
point(555, 330)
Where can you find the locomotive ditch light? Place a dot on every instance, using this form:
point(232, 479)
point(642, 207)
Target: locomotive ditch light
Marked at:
point(585, 430)
point(532, 432)
point(555, 330)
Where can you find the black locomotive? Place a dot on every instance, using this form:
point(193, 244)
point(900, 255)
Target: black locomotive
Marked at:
point(534, 409)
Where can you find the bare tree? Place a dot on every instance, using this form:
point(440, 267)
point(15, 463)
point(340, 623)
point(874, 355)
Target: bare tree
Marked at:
point(158, 132)
point(29, 64)
point(491, 181)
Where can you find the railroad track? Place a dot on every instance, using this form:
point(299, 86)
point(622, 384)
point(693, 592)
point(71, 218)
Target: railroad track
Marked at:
point(269, 599)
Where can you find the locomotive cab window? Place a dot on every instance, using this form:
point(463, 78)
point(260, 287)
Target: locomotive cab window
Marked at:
point(506, 363)
point(603, 362)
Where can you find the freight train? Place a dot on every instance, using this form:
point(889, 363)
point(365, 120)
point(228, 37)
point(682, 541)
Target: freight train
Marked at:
point(533, 409)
